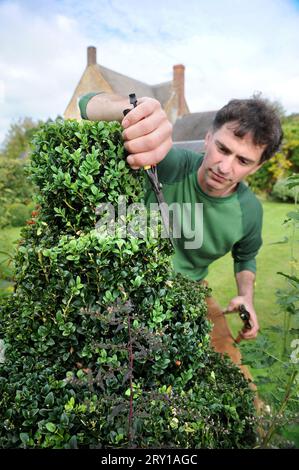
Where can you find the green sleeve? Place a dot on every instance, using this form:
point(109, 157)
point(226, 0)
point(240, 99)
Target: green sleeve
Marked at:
point(245, 250)
point(177, 164)
point(83, 101)
point(249, 265)
point(174, 167)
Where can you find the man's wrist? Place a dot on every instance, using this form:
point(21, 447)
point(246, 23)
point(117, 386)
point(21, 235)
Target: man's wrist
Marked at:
point(245, 282)
point(248, 300)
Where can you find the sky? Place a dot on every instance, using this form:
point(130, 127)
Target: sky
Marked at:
point(230, 48)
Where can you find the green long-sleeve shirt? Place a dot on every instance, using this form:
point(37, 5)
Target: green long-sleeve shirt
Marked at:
point(217, 225)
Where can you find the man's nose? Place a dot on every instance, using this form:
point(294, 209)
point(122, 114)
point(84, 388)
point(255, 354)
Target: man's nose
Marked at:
point(225, 165)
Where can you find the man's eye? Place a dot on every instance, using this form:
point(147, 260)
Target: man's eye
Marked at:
point(222, 150)
point(243, 162)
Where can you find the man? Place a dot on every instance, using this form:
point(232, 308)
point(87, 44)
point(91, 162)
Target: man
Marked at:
point(244, 134)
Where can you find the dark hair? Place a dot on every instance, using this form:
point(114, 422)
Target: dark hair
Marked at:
point(256, 116)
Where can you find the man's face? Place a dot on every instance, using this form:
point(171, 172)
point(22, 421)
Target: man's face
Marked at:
point(228, 160)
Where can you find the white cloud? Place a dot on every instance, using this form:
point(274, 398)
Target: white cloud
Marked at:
point(65, 24)
point(230, 49)
point(41, 60)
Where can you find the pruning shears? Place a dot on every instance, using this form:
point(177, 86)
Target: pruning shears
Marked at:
point(152, 174)
point(245, 317)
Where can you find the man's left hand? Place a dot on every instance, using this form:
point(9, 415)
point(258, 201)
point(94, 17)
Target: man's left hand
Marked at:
point(234, 306)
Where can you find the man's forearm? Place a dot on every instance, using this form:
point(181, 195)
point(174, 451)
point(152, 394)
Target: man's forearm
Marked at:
point(107, 107)
point(146, 128)
point(245, 283)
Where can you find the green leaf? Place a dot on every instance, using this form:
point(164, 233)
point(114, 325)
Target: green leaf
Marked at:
point(24, 437)
point(293, 215)
point(64, 419)
point(94, 189)
point(51, 427)
point(49, 400)
point(73, 442)
point(70, 404)
point(137, 281)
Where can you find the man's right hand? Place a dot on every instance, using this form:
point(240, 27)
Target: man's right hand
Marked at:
point(147, 133)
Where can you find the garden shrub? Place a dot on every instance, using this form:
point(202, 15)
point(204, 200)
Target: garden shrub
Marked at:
point(283, 192)
point(291, 141)
point(15, 189)
point(104, 345)
point(17, 213)
point(283, 164)
point(272, 170)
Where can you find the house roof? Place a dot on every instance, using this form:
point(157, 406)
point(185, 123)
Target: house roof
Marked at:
point(194, 145)
point(193, 126)
point(124, 85)
point(162, 92)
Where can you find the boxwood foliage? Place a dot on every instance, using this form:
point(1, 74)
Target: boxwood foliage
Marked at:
point(104, 345)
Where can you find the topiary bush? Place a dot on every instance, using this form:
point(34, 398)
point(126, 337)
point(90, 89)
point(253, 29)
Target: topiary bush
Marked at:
point(104, 345)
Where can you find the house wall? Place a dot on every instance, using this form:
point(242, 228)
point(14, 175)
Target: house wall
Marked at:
point(91, 81)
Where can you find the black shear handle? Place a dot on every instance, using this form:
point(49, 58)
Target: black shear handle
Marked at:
point(133, 101)
point(245, 317)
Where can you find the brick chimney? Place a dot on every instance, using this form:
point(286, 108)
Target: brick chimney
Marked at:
point(91, 55)
point(179, 88)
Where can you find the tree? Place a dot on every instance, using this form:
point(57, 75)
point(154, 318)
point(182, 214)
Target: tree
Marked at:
point(17, 140)
point(286, 160)
point(290, 146)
